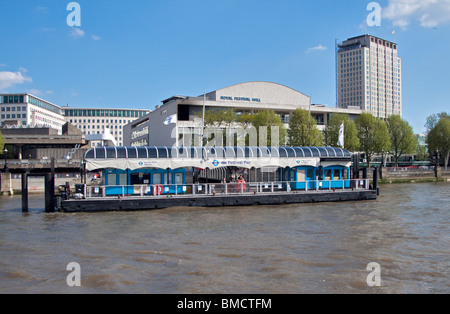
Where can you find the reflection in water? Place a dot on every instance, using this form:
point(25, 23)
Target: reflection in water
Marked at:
point(314, 248)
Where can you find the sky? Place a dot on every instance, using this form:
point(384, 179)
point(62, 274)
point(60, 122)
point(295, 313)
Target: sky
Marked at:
point(135, 53)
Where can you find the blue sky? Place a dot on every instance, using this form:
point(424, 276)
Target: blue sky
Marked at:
point(135, 53)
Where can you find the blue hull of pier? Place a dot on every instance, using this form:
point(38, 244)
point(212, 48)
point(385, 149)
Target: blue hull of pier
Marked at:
point(161, 202)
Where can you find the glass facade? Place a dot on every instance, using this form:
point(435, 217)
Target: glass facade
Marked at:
point(125, 113)
point(12, 99)
point(44, 105)
point(94, 121)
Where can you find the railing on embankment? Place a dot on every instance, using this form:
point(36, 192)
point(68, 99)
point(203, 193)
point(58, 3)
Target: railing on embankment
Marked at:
point(403, 173)
point(212, 189)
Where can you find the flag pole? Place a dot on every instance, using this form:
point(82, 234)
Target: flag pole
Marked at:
point(341, 135)
point(203, 118)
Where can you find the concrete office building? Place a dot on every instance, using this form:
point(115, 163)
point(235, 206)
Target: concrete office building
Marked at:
point(94, 120)
point(250, 97)
point(40, 142)
point(369, 76)
point(27, 109)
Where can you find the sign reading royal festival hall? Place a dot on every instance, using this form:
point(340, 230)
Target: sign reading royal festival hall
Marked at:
point(240, 98)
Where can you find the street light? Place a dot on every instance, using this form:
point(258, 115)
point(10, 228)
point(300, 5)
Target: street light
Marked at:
point(5, 168)
point(437, 164)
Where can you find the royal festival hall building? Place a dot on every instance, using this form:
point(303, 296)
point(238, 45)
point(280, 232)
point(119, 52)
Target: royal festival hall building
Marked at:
point(249, 97)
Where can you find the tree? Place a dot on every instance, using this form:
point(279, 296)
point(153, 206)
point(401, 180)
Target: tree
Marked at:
point(245, 119)
point(269, 119)
point(303, 129)
point(217, 119)
point(422, 153)
point(331, 132)
point(434, 119)
point(2, 142)
point(438, 139)
point(402, 137)
point(373, 135)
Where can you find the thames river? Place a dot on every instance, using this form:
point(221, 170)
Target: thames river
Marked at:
point(303, 248)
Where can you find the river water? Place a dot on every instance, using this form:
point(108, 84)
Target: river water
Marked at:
point(302, 248)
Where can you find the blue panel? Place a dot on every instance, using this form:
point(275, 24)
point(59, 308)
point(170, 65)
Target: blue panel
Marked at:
point(308, 152)
point(142, 152)
point(229, 152)
point(331, 151)
point(100, 152)
point(239, 152)
point(152, 152)
point(111, 152)
point(299, 151)
point(162, 152)
point(89, 154)
point(291, 152)
point(132, 152)
point(315, 151)
point(323, 152)
point(121, 152)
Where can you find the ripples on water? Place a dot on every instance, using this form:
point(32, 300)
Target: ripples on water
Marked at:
point(314, 248)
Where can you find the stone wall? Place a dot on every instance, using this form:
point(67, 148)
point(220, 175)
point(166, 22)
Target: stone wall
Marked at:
point(411, 174)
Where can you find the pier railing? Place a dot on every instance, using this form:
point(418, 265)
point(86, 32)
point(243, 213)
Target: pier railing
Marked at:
point(211, 189)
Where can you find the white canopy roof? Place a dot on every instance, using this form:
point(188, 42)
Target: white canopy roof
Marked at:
point(212, 157)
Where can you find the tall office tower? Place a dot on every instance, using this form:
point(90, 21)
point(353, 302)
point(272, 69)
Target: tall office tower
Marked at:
point(369, 76)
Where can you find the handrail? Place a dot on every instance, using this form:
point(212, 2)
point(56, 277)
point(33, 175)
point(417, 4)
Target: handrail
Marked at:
point(213, 189)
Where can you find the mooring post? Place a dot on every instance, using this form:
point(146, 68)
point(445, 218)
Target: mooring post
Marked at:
point(48, 199)
point(356, 166)
point(375, 180)
point(50, 189)
point(25, 192)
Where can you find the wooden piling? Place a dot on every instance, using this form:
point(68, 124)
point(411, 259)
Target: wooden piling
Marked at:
point(25, 192)
point(375, 180)
point(50, 189)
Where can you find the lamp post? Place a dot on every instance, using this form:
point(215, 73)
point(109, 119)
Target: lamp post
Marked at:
point(5, 168)
point(436, 164)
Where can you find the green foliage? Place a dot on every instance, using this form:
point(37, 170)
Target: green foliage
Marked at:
point(269, 119)
point(2, 142)
point(402, 137)
point(438, 139)
point(434, 119)
point(373, 135)
point(331, 132)
point(218, 117)
point(422, 153)
point(303, 130)
point(245, 119)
